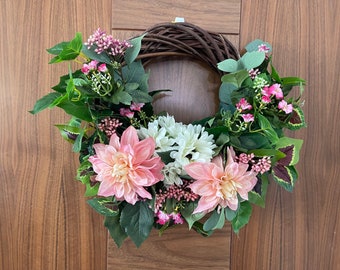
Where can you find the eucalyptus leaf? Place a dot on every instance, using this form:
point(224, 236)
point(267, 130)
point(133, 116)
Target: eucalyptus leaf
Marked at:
point(252, 60)
point(254, 45)
point(215, 221)
point(228, 65)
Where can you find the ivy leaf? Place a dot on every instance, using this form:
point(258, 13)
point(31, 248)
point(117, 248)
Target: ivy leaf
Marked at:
point(116, 231)
point(215, 221)
point(76, 109)
point(242, 216)
point(45, 102)
point(67, 50)
point(137, 221)
point(104, 206)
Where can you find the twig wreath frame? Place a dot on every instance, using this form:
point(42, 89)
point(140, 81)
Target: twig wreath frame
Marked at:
point(145, 171)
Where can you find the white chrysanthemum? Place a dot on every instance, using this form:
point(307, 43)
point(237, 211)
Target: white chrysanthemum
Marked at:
point(171, 174)
point(163, 141)
point(186, 143)
point(194, 145)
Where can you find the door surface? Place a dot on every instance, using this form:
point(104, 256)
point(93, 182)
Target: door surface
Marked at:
point(45, 220)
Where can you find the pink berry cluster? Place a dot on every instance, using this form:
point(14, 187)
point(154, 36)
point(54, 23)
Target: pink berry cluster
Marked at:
point(107, 43)
point(261, 165)
point(109, 126)
point(179, 193)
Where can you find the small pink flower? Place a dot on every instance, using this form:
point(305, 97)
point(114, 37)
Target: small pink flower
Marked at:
point(284, 106)
point(276, 90)
point(85, 69)
point(263, 48)
point(265, 99)
point(136, 106)
point(243, 105)
point(163, 218)
point(124, 168)
point(177, 218)
point(93, 65)
point(266, 91)
point(220, 185)
point(126, 112)
point(248, 117)
point(102, 68)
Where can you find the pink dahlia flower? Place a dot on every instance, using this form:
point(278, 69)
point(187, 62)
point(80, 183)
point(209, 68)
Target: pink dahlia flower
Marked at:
point(219, 185)
point(125, 167)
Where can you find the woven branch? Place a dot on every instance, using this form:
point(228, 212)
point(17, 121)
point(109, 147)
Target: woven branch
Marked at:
point(186, 40)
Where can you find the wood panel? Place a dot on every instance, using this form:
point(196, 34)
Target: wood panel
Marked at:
point(45, 221)
point(300, 230)
point(222, 16)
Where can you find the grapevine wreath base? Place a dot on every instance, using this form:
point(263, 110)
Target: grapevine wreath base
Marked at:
point(143, 170)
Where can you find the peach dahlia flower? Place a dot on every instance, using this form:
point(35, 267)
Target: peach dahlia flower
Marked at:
point(219, 185)
point(125, 167)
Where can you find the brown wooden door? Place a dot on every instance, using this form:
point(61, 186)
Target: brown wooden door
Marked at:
point(45, 221)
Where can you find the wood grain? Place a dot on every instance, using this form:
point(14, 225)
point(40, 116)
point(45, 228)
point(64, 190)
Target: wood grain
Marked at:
point(177, 248)
point(45, 221)
point(300, 230)
point(222, 16)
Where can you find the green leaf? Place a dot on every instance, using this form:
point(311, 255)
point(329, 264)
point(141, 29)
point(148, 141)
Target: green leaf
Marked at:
point(215, 221)
point(104, 206)
point(254, 45)
point(268, 153)
point(259, 198)
point(84, 174)
point(242, 217)
point(121, 96)
point(292, 157)
point(69, 132)
point(132, 52)
point(57, 49)
point(77, 109)
point(297, 120)
point(292, 81)
point(90, 53)
point(45, 102)
point(137, 221)
point(236, 78)
point(252, 59)
point(275, 74)
point(267, 128)
point(228, 65)
point(139, 96)
point(225, 92)
point(70, 50)
point(187, 213)
point(229, 214)
point(285, 176)
point(116, 231)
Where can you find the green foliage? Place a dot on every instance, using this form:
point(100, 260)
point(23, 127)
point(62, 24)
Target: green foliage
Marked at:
point(137, 221)
point(242, 216)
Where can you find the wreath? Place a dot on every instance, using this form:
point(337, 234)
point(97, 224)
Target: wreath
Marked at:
point(144, 170)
